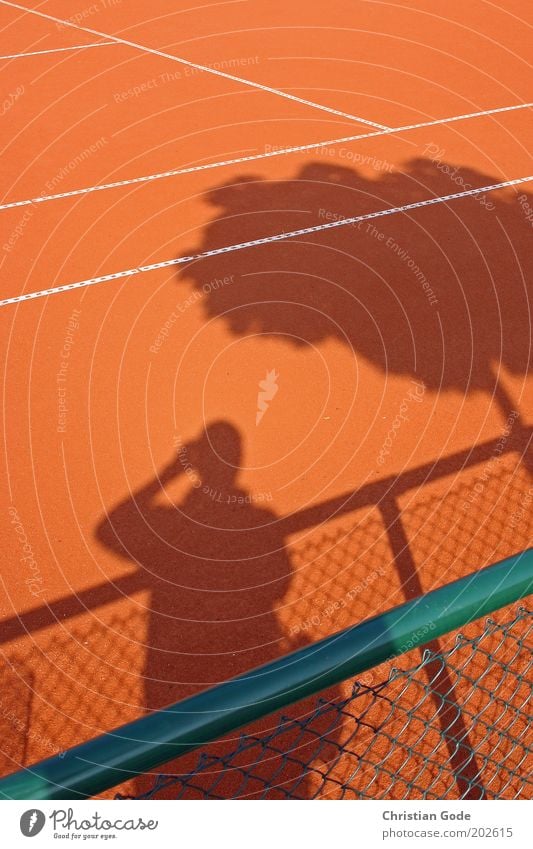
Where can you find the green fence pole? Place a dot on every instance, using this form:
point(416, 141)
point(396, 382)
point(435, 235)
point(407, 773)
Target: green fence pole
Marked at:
point(145, 744)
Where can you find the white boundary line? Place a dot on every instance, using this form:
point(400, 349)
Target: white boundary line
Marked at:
point(304, 231)
point(205, 68)
point(56, 50)
point(256, 156)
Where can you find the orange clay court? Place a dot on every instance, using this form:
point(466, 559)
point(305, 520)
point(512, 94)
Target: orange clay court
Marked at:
point(221, 456)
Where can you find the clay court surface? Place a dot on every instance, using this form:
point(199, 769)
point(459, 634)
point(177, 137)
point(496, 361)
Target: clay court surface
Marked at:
point(213, 463)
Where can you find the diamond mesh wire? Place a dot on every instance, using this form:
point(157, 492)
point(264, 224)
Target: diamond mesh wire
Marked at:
point(455, 726)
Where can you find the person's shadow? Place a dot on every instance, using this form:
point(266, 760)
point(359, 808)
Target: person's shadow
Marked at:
point(215, 565)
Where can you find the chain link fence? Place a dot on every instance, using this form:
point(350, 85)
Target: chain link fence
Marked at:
point(455, 726)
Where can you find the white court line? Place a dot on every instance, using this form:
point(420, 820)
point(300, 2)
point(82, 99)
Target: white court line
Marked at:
point(205, 68)
point(254, 157)
point(304, 231)
point(56, 50)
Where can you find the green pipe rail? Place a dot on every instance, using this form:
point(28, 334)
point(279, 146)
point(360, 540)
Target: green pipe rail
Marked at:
point(149, 742)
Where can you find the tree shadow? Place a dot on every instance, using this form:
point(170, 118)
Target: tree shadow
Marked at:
point(439, 293)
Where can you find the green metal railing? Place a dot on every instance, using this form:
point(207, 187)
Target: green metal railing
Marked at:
point(454, 726)
point(145, 744)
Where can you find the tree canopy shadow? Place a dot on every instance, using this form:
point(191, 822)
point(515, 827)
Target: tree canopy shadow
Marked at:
point(440, 292)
